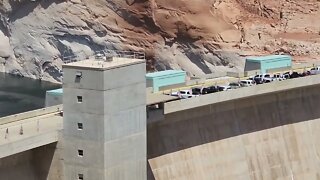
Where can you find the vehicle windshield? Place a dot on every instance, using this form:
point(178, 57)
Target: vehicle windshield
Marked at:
point(196, 90)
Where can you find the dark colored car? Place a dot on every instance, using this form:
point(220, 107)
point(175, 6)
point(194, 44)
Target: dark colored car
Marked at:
point(305, 73)
point(286, 75)
point(196, 91)
point(205, 91)
point(212, 89)
point(220, 88)
point(258, 80)
point(294, 75)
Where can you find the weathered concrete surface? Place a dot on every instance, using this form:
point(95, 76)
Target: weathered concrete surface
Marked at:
point(264, 132)
point(270, 135)
point(241, 93)
point(112, 112)
point(28, 145)
point(29, 130)
point(42, 163)
point(18, 166)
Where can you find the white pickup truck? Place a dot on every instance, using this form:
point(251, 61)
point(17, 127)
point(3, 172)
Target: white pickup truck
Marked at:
point(263, 78)
point(315, 70)
point(184, 94)
point(279, 77)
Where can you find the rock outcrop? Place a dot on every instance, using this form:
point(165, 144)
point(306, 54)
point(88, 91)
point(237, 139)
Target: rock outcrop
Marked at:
point(200, 36)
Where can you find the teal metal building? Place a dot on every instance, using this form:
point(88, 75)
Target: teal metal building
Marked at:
point(54, 97)
point(266, 63)
point(165, 78)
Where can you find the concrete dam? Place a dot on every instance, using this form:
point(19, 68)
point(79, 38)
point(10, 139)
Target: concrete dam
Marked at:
point(264, 132)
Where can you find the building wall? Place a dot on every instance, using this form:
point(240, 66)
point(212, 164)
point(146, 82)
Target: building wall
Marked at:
point(251, 66)
point(53, 99)
point(278, 70)
point(266, 63)
point(149, 83)
point(275, 64)
point(269, 136)
point(113, 115)
point(168, 80)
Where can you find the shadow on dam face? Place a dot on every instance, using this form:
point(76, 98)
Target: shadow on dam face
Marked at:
point(34, 164)
point(206, 124)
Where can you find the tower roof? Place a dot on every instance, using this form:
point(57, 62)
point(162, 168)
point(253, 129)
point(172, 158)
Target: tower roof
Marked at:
point(103, 64)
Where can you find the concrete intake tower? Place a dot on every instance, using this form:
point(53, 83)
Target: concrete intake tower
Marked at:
point(104, 121)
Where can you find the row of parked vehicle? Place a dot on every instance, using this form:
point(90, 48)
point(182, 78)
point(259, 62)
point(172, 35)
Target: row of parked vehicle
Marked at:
point(257, 79)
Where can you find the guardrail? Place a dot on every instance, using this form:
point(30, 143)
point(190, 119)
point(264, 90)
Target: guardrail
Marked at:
point(13, 129)
point(30, 114)
point(98, 55)
point(29, 130)
point(235, 77)
point(240, 93)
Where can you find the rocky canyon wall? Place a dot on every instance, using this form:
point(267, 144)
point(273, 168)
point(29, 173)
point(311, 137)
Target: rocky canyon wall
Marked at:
point(199, 36)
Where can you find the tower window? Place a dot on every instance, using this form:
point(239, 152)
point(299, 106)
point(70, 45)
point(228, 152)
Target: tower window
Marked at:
point(80, 126)
point(80, 152)
point(79, 74)
point(80, 176)
point(79, 98)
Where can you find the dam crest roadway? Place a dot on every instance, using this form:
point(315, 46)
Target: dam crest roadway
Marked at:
point(269, 131)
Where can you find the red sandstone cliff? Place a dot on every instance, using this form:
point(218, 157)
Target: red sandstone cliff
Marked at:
point(199, 36)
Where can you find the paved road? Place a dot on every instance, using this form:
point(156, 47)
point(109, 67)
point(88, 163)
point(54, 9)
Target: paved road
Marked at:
point(29, 130)
point(223, 81)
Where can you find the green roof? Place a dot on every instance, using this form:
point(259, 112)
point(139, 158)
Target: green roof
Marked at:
point(268, 58)
point(164, 73)
point(55, 91)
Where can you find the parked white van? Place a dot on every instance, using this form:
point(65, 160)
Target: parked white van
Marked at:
point(247, 83)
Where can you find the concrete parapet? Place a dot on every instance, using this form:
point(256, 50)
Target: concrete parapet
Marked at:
point(28, 145)
point(23, 135)
point(246, 92)
point(268, 131)
point(31, 114)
